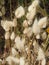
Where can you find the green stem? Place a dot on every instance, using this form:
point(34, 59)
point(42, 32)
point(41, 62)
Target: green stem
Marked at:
point(42, 11)
point(44, 6)
point(46, 43)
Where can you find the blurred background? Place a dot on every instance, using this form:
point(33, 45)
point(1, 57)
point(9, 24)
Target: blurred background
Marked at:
point(7, 8)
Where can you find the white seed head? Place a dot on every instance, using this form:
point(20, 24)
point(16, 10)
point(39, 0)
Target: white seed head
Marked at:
point(30, 8)
point(13, 52)
point(43, 62)
point(35, 27)
point(12, 37)
point(2, 22)
point(41, 55)
point(34, 4)
point(6, 25)
point(25, 23)
point(44, 35)
point(22, 61)
point(26, 48)
point(7, 35)
point(19, 12)
point(31, 15)
point(30, 22)
point(10, 23)
point(34, 43)
point(9, 60)
point(14, 22)
point(16, 60)
point(1, 62)
point(12, 60)
point(42, 22)
point(19, 43)
point(38, 36)
point(28, 31)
